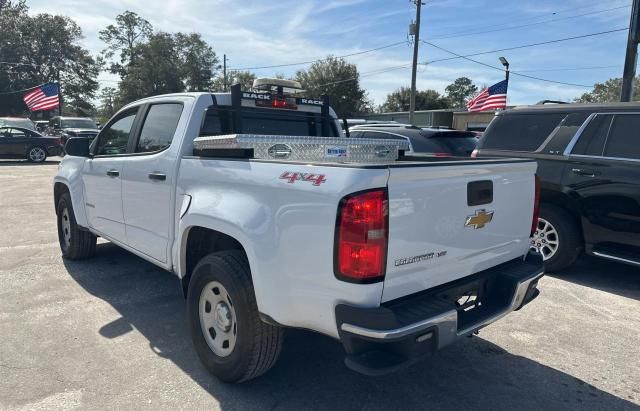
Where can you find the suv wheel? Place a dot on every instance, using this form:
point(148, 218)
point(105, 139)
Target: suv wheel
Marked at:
point(557, 238)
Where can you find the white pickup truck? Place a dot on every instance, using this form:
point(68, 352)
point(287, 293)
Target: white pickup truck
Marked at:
point(268, 227)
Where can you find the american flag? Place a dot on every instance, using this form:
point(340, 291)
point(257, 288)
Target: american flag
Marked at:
point(43, 97)
point(491, 98)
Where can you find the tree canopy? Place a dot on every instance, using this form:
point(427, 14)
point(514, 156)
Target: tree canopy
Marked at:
point(460, 91)
point(338, 79)
point(40, 49)
point(608, 92)
point(399, 100)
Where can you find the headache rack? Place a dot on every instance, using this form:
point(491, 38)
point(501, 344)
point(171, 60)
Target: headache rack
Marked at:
point(294, 148)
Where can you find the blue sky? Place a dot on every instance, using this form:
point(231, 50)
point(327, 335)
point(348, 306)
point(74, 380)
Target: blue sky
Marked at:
point(257, 33)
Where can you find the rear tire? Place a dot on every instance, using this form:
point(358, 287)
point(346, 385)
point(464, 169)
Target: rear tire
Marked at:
point(238, 345)
point(76, 244)
point(557, 238)
point(36, 154)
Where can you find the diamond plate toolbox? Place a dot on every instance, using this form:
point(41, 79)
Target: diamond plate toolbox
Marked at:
point(305, 148)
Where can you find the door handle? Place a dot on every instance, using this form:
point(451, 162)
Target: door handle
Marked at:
point(113, 173)
point(157, 176)
point(587, 173)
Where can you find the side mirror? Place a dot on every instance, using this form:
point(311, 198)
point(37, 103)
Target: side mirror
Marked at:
point(78, 147)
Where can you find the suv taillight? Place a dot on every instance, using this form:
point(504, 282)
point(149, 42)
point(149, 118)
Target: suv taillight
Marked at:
point(536, 205)
point(362, 226)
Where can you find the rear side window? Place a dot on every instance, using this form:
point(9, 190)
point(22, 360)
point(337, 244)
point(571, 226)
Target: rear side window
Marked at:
point(159, 127)
point(520, 132)
point(592, 139)
point(623, 138)
point(560, 139)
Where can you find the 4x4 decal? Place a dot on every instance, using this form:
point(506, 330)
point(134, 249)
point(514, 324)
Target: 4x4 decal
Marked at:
point(292, 177)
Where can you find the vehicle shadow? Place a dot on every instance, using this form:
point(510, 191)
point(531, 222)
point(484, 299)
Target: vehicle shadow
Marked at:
point(20, 162)
point(310, 374)
point(604, 275)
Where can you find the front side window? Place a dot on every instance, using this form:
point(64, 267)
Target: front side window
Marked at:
point(592, 139)
point(159, 127)
point(113, 139)
point(623, 139)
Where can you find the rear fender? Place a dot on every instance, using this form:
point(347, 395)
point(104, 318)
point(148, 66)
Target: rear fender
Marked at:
point(70, 175)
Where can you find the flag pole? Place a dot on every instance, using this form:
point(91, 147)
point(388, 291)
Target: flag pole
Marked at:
point(59, 95)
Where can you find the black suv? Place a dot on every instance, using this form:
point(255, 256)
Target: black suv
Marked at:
point(589, 166)
point(438, 142)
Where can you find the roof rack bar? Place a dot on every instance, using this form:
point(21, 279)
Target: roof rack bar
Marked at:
point(236, 105)
point(324, 114)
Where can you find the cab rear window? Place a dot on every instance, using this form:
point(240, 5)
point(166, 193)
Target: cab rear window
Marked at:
point(519, 132)
point(266, 121)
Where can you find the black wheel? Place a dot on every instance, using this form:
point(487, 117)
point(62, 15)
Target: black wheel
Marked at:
point(557, 238)
point(36, 154)
point(75, 243)
point(233, 343)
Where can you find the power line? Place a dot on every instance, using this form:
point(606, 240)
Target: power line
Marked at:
point(20, 91)
point(318, 60)
point(512, 20)
point(524, 45)
point(568, 69)
point(470, 33)
point(502, 70)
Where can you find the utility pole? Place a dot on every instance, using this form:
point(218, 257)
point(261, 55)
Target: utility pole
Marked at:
point(414, 67)
point(224, 72)
point(631, 57)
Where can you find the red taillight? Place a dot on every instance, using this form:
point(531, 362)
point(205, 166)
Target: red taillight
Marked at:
point(474, 153)
point(536, 205)
point(361, 237)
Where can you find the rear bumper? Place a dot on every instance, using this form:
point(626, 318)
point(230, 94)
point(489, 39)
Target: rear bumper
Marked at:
point(400, 332)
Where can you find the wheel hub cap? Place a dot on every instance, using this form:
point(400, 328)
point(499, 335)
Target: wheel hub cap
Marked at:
point(545, 239)
point(218, 319)
point(66, 227)
point(36, 154)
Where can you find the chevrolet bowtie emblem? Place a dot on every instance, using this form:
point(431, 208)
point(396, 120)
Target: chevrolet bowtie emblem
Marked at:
point(479, 219)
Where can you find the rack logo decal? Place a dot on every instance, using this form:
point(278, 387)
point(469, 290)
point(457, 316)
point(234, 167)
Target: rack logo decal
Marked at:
point(292, 177)
point(338, 151)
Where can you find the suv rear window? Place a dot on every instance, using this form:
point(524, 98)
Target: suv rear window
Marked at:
point(519, 132)
point(622, 141)
point(266, 121)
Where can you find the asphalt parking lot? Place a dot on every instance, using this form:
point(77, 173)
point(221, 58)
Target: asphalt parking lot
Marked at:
point(111, 333)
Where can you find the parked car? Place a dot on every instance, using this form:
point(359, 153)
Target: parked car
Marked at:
point(41, 126)
point(67, 127)
point(18, 142)
point(272, 218)
point(17, 122)
point(589, 163)
point(439, 142)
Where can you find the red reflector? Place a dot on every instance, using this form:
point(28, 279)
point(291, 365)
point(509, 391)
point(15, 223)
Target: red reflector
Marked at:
point(442, 154)
point(536, 205)
point(361, 241)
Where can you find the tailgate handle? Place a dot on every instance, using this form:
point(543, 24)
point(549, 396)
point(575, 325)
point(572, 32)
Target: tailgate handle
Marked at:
point(479, 192)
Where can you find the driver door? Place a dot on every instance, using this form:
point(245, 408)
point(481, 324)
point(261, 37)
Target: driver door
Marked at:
point(101, 176)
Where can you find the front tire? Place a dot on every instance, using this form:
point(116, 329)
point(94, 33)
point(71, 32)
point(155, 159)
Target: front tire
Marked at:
point(75, 243)
point(557, 238)
point(233, 343)
point(36, 154)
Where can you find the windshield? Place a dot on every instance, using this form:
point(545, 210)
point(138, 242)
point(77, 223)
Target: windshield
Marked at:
point(79, 123)
point(17, 122)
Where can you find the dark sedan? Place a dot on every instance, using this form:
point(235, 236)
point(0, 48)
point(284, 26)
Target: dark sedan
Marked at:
point(435, 142)
point(19, 142)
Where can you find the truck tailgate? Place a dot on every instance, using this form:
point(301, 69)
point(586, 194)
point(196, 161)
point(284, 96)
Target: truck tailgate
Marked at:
point(450, 220)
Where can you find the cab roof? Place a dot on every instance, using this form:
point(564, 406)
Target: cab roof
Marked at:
point(566, 108)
